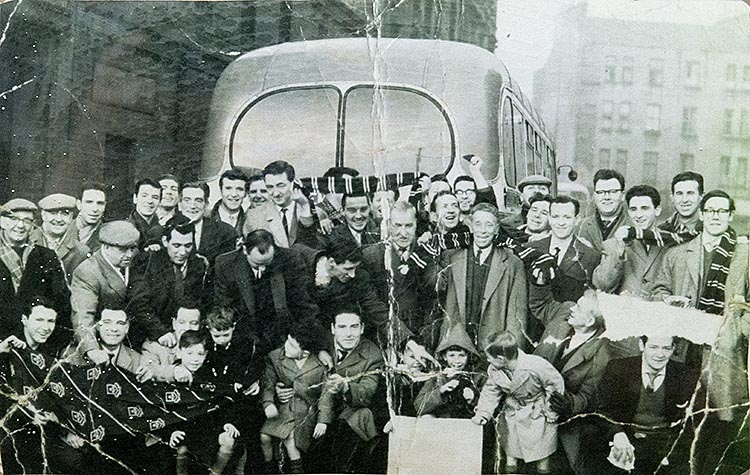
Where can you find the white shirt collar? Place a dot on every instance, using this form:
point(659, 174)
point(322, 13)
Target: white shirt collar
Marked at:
point(483, 254)
point(646, 380)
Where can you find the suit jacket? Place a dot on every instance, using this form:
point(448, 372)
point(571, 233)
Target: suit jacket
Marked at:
point(43, 275)
point(92, 243)
point(504, 301)
point(215, 216)
point(575, 270)
point(70, 251)
point(95, 282)
point(588, 228)
point(356, 406)
point(620, 390)
point(151, 293)
point(290, 281)
point(341, 233)
point(145, 228)
point(161, 360)
point(268, 217)
point(217, 237)
point(634, 272)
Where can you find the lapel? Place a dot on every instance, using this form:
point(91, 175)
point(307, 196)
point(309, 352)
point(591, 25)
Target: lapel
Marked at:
point(289, 370)
point(207, 236)
point(457, 263)
point(494, 276)
point(124, 358)
point(584, 353)
point(692, 258)
point(292, 223)
point(275, 225)
point(244, 279)
point(350, 361)
point(111, 277)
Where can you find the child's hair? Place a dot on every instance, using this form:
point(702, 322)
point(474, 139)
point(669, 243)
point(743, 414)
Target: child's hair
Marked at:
point(308, 333)
point(453, 348)
point(220, 318)
point(191, 338)
point(502, 344)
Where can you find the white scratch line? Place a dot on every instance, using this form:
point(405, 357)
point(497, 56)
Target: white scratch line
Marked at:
point(15, 88)
point(7, 24)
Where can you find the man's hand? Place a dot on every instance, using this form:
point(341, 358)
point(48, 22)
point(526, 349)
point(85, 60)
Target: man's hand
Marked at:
point(98, 356)
point(11, 342)
point(622, 232)
point(176, 438)
point(337, 383)
point(424, 238)
point(622, 450)
point(182, 375)
point(283, 393)
point(449, 386)
point(252, 390)
point(562, 404)
point(479, 420)
point(167, 340)
point(388, 427)
point(677, 301)
point(73, 440)
point(320, 430)
point(326, 226)
point(468, 394)
point(301, 200)
point(231, 430)
point(271, 411)
point(420, 352)
point(144, 374)
point(326, 359)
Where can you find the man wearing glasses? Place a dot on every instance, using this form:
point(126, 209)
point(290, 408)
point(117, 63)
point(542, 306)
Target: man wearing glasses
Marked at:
point(28, 270)
point(58, 232)
point(609, 192)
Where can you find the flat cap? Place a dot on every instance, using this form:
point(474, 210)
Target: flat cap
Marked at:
point(119, 233)
point(57, 201)
point(534, 180)
point(18, 204)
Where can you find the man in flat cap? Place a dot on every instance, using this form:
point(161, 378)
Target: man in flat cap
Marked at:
point(57, 232)
point(28, 270)
point(101, 281)
point(528, 187)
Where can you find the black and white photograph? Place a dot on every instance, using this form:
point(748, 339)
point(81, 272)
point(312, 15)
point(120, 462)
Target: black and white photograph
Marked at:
point(440, 237)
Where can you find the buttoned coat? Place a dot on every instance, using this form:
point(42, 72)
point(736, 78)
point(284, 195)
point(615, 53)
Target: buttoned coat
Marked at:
point(588, 228)
point(268, 217)
point(504, 299)
point(95, 284)
point(575, 271)
point(341, 233)
point(309, 406)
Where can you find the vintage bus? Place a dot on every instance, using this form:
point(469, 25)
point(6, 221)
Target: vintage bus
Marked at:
point(379, 106)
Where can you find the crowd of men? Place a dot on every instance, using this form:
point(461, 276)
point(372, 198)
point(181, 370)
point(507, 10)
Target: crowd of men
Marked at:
point(308, 306)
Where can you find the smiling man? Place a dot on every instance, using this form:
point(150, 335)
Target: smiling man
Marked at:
point(211, 237)
point(58, 232)
point(485, 285)
point(146, 198)
point(631, 267)
point(358, 227)
point(609, 189)
point(91, 206)
point(687, 191)
point(170, 196)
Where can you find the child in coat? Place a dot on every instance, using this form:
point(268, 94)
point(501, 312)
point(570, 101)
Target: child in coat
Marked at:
point(307, 412)
point(527, 427)
point(454, 392)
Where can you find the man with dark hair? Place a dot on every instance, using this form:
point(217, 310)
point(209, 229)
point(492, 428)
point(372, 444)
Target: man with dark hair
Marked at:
point(233, 188)
point(710, 273)
point(576, 259)
point(445, 214)
point(642, 400)
point(146, 198)
point(358, 228)
point(537, 217)
point(631, 267)
point(27, 270)
point(528, 187)
point(687, 191)
point(91, 206)
point(472, 189)
point(101, 282)
point(288, 215)
point(266, 285)
point(211, 237)
point(610, 215)
point(163, 280)
point(170, 196)
point(256, 190)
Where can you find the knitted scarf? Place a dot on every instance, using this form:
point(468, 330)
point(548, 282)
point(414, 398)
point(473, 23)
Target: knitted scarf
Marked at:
point(13, 261)
point(712, 296)
point(360, 184)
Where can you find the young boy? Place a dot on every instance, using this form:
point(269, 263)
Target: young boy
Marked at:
point(455, 391)
point(197, 438)
point(160, 357)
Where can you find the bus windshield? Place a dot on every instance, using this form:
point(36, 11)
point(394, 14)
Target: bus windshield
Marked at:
point(395, 129)
point(298, 125)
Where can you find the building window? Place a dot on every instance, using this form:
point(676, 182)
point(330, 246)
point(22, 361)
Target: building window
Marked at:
point(653, 118)
point(655, 72)
point(731, 73)
point(621, 161)
point(692, 73)
point(688, 122)
point(724, 170)
point(741, 176)
point(623, 117)
point(744, 126)
point(610, 69)
point(650, 167)
point(687, 161)
point(626, 75)
point(728, 118)
point(604, 156)
point(607, 111)
point(746, 74)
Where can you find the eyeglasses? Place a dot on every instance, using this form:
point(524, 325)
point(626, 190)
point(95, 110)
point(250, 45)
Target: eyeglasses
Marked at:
point(716, 212)
point(18, 220)
point(465, 192)
point(607, 192)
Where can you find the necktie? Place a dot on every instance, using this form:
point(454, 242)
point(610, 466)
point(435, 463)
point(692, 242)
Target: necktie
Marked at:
point(179, 285)
point(258, 271)
point(556, 254)
point(284, 221)
point(341, 355)
point(651, 381)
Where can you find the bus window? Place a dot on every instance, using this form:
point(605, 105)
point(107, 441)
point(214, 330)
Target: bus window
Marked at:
point(518, 143)
point(392, 130)
point(539, 150)
point(530, 158)
point(509, 160)
point(282, 126)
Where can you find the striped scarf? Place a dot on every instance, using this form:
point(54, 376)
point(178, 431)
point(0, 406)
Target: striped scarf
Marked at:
point(359, 184)
point(712, 296)
point(13, 261)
